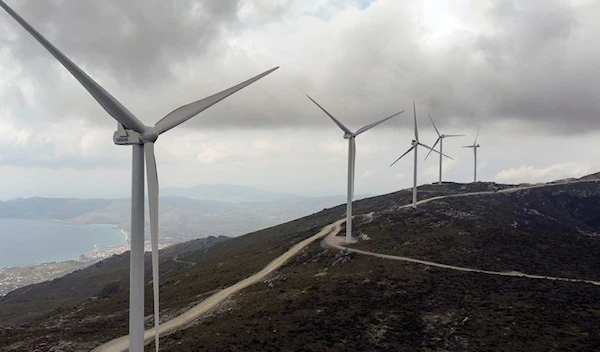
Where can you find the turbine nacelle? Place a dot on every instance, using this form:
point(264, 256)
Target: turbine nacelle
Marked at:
point(123, 136)
point(348, 135)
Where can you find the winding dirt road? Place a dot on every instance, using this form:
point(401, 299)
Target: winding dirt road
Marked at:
point(329, 232)
point(336, 242)
point(122, 343)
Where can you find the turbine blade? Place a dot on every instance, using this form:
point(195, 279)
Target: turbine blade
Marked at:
point(454, 135)
point(340, 125)
point(434, 144)
point(468, 146)
point(153, 206)
point(186, 112)
point(368, 127)
point(476, 136)
point(433, 123)
point(401, 156)
point(433, 150)
point(112, 106)
point(415, 114)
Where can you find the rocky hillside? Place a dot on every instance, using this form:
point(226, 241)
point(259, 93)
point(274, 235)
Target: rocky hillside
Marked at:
point(327, 299)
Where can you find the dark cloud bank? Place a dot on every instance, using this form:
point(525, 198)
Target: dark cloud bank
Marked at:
point(533, 61)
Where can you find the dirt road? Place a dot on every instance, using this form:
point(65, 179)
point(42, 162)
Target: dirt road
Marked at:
point(122, 343)
point(336, 242)
point(329, 232)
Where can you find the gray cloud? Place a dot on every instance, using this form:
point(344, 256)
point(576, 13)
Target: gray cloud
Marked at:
point(534, 61)
point(136, 41)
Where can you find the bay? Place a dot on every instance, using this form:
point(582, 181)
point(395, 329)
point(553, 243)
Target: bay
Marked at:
point(26, 242)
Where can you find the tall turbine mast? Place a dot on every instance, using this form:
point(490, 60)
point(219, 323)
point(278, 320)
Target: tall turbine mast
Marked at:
point(350, 136)
point(474, 146)
point(440, 139)
point(131, 131)
point(414, 144)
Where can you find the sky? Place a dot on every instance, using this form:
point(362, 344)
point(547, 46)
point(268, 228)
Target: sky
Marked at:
point(525, 73)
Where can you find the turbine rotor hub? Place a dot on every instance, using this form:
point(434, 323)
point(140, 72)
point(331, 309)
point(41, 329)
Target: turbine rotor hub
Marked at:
point(150, 135)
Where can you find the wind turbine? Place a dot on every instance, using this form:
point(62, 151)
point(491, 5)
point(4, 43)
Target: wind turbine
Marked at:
point(441, 141)
point(474, 146)
point(131, 131)
point(350, 136)
point(414, 144)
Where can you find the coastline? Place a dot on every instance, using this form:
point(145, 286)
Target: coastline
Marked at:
point(98, 252)
point(14, 277)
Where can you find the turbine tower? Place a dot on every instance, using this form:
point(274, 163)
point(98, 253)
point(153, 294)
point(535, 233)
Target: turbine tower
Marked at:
point(440, 139)
point(414, 146)
point(131, 131)
point(474, 146)
point(350, 136)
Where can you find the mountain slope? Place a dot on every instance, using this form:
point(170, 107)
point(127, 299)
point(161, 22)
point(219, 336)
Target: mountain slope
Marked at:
point(327, 299)
point(553, 230)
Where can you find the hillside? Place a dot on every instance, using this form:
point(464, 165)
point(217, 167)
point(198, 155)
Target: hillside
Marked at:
point(100, 279)
point(326, 299)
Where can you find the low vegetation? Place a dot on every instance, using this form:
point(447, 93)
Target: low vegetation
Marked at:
point(330, 300)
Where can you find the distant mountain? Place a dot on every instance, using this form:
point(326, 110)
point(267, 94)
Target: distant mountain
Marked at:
point(226, 193)
point(181, 218)
point(50, 208)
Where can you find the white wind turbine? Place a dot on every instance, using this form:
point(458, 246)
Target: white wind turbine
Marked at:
point(131, 131)
point(414, 146)
point(441, 141)
point(350, 136)
point(474, 146)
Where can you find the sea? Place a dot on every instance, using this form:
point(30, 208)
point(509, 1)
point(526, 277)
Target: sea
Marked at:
point(30, 242)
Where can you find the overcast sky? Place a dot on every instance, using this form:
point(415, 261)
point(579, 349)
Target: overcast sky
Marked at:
point(526, 72)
